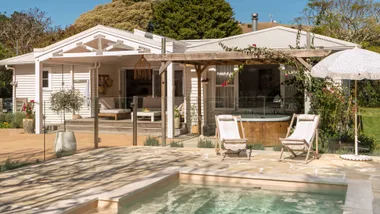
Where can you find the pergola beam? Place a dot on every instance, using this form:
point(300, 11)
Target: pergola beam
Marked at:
point(164, 66)
point(200, 58)
point(304, 63)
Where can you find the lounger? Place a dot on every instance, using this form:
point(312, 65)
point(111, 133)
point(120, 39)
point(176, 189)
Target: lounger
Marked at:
point(303, 135)
point(228, 135)
point(107, 109)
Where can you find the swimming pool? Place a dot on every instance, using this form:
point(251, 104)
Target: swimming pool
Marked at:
point(192, 190)
point(190, 198)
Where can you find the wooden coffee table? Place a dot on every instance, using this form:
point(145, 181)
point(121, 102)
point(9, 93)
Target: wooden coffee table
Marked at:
point(150, 114)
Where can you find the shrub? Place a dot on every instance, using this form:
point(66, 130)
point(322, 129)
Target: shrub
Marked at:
point(277, 148)
point(9, 165)
point(204, 143)
point(2, 117)
point(4, 125)
point(150, 141)
point(11, 120)
point(9, 117)
point(18, 120)
point(256, 146)
point(176, 144)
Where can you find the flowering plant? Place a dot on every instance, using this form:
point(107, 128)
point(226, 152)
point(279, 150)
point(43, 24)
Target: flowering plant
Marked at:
point(29, 109)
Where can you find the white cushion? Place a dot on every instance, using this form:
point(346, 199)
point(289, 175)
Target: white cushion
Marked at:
point(114, 111)
point(107, 103)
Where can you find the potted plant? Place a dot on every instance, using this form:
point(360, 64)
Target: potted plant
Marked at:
point(177, 118)
point(28, 121)
point(65, 102)
point(194, 119)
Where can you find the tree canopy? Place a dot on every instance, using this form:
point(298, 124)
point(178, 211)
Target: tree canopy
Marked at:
point(122, 14)
point(194, 19)
point(355, 21)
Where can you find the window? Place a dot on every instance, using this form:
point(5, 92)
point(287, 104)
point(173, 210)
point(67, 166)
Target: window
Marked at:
point(224, 95)
point(46, 83)
point(178, 83)
point(257, 82)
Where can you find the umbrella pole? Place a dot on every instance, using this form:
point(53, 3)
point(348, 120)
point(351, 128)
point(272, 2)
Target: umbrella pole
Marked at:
point(356, 117)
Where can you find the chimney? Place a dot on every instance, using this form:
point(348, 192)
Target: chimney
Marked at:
point(255, 21)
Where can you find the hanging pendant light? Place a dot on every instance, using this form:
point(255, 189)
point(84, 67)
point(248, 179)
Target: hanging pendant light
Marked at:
point(142, 69)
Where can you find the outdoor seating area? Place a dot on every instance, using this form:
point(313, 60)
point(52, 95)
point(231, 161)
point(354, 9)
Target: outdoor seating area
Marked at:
point(131, 109)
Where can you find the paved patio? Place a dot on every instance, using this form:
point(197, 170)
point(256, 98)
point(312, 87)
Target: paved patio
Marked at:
point(36, 187)
point(30, 147)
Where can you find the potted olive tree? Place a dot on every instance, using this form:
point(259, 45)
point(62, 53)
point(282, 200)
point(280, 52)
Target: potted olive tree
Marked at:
point(64, 102)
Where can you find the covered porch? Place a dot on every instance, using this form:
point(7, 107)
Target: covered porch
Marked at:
point(116, 71)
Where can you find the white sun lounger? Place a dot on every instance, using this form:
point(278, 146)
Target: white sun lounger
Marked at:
point(228, 135)
point(303, 135)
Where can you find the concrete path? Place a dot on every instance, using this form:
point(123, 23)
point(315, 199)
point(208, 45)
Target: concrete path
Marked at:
point(36, 187)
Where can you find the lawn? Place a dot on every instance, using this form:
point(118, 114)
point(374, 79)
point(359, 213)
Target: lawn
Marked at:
point(371, 122)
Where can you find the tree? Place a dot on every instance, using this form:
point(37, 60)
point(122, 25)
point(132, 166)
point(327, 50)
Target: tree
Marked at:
point(66, 102)
point(24, 30)
point(194, 19)
point(355, 21)
point(122, 14)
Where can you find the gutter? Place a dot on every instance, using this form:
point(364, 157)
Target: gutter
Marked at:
point(14, 86)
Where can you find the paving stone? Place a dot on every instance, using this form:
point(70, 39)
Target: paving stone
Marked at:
point(108, 169)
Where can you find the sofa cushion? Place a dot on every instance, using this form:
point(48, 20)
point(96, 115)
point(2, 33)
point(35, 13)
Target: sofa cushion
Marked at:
point(107, 103)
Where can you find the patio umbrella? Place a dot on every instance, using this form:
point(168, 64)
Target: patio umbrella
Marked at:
point(354, 64)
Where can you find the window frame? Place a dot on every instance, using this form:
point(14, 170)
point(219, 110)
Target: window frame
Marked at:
point(234, 85)
point(48, 78)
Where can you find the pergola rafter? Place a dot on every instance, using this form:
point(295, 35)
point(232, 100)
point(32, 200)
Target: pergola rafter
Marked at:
point(202, 60)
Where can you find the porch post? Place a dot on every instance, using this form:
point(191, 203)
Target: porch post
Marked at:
point(170, 100)
point(38, 96)
point(163, 101)
point(199, 73)
point(72, 76)
point(199, 69)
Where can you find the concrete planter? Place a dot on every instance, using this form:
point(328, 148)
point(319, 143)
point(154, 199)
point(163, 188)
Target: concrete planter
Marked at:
point(65, 142)
point(76, 117)
point(28, 125)
point(177, 122)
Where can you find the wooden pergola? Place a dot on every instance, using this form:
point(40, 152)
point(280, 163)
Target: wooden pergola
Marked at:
point(202, 60)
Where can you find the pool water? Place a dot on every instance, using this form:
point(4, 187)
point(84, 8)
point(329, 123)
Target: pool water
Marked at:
point(188, 198)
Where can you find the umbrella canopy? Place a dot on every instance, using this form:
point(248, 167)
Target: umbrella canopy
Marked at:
point(353, 64)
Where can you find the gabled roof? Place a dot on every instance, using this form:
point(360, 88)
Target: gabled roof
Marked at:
point(19, 60)
point(100, 28)
point(276, 38)
point(198, 41)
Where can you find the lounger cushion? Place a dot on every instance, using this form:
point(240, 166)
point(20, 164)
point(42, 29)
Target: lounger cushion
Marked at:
point(114, 111)
point(107, 103)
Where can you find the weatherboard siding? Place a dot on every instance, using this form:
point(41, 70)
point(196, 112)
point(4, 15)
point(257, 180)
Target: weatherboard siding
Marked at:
point(191, 93)
point(25, 76)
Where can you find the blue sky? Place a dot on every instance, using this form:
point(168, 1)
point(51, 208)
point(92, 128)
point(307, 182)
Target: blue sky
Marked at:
point(64, 12)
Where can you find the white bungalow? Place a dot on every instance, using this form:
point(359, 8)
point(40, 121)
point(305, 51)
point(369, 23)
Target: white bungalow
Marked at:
point(87, 59)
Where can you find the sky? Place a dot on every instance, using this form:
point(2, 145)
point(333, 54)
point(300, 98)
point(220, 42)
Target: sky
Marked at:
point(64, 12)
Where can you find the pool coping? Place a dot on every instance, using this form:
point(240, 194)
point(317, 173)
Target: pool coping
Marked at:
point(359, 194)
